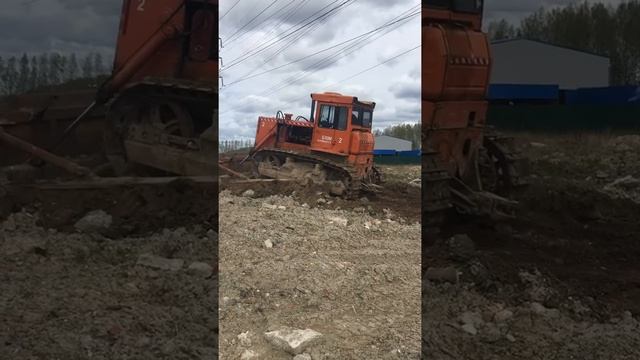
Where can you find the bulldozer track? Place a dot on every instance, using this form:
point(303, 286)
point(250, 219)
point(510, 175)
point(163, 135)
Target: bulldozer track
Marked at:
point(435, 192)
point(355, 185)
point(195, 99)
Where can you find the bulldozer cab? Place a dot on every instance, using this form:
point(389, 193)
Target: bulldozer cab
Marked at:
point(340, 123)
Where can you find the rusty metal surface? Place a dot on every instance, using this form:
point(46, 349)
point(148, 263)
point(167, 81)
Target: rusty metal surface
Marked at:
point(43, 154)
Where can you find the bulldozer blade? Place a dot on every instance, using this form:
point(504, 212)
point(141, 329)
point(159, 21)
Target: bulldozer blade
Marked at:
point(170, 159)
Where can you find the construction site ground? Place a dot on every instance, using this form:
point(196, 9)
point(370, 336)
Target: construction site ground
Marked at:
point(118, 284)
point(298, 258)
point(561, 280)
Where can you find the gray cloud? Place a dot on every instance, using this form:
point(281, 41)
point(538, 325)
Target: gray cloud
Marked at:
point(59, 25)
point(238, 119)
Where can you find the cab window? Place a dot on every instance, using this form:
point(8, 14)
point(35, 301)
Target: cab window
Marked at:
point(333, 117)
point(361, 117)
point(366, 119)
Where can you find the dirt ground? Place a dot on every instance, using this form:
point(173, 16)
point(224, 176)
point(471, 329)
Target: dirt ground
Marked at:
point(303, 260)
point(562, 280)
point(86, 292)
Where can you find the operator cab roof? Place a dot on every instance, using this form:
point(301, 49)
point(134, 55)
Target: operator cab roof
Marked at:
point(337, 98)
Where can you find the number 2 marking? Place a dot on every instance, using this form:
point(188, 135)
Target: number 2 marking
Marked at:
point(142, 4)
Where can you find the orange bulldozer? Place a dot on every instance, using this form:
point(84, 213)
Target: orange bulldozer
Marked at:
point(333, 146)
point(465, 166)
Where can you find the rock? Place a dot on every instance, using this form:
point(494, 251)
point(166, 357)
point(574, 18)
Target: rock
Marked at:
point(269, 206)
point(541, 310)
point(249, 193)
point(461, 247)
point(321, 201)
point(601, 174)
point(510, 337)
point(470, 317)
point(200, 268)
point(249, 354)
point(293, 341)
point(502, 316)
point(446, 274)
point(478, 271)
point(304, 356)
point(491, 333)
point(157, 262)
point(96, 221)
point(24, 244)
point(469, 329)
point(168, 348)
point(537, 144)
point(245, 338)
point(338, 220)
point(268, 244)
point(9, 224)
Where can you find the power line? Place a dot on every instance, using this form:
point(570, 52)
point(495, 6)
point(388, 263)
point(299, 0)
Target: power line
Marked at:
point(349, 49)
point(229, 41)
point(358, 73)
point(324, 50)
point(225, 14)
point(288, 15)
point(252, 19)
point(296, 38)
point(366, 70)
point(379, 64)
point(268, 45)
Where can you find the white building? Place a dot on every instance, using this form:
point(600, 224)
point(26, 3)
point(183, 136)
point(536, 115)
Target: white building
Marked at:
point(521, 61)
point(384, 142)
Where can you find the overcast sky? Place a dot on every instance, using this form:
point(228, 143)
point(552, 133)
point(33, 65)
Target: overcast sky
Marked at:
point(395, 86)
point(35, 26)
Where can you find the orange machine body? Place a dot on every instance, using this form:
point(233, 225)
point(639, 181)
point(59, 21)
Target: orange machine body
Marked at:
point(456, 63)
point(339, 129)
point(173, 39)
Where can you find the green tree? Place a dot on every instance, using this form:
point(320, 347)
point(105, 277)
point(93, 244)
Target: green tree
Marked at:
point(72, 70)
point(33, 75)
point(410, 132)
point(533, 26)
point(12, 75)
point(501, 30)
point(23, 76)
point(98, 64)
point(3, 83)
point(55, 73)
point(43, 70)
point(87, 66)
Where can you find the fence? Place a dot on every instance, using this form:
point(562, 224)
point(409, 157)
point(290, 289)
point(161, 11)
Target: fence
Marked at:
point(565, 118)
point(392, 157)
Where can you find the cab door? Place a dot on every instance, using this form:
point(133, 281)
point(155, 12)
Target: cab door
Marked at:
point(330, 133)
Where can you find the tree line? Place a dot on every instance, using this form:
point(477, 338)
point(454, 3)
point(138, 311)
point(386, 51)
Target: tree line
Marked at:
point(21, 74)
point(409, 132)
point(593, 27)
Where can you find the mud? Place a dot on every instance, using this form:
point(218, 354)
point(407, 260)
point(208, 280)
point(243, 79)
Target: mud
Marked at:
point(577, 236)
point(299, 259)
point(396, 194)
point(65, 294)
